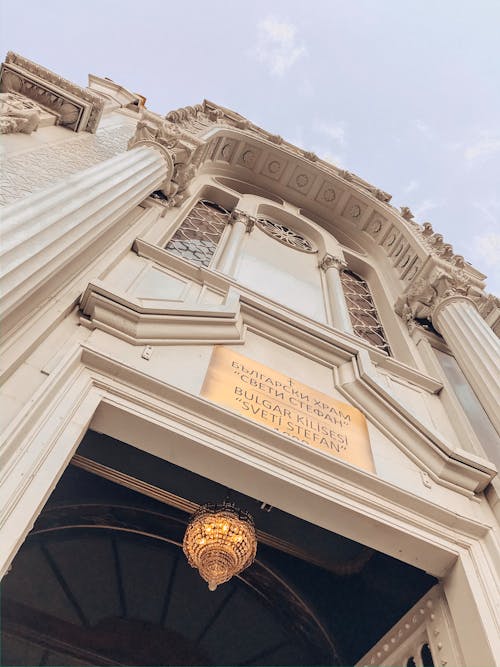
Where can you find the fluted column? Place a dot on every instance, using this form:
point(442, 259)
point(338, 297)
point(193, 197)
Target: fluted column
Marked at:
point(332, 266)
point(44, 232)
point(475, 347)
point(241, 223)
point(449, 297)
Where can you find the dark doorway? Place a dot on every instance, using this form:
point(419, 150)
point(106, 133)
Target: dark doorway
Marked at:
point(102, 580)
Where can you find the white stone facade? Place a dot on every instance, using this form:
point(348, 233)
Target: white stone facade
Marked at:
point(105, 328)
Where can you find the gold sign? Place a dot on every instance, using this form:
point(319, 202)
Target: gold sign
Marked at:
point(288, 406)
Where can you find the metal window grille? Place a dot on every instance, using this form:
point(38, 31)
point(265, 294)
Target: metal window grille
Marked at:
point(363, 313)
point(285, 235)
point(197, 238)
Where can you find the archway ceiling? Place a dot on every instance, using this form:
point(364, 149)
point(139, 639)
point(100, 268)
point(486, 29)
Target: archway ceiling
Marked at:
point(330, 551)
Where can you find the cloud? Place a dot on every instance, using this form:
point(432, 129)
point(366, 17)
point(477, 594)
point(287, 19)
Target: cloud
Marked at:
point(424, 129)
point(277, 45)
point(412, 186)
point(490, 209)
point(482, 148)
point(425, 206)
point(485, 144)
point(335, 131)
point(487, 248)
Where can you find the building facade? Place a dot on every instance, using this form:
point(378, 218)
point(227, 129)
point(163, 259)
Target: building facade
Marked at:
point(192, 295)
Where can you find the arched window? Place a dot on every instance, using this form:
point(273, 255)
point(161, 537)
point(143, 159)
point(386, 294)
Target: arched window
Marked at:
point(197, 238)
point(285, 235)
point(362, 311)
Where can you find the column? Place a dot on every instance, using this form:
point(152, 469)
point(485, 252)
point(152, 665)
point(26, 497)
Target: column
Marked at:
point(475, 347)
point(44, 232)
point(241, 223)
point(335, 294)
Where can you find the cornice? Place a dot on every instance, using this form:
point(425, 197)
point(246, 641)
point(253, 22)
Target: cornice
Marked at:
point(420, 443)
point(223, 143)
point(203, 119)
point(168, 323)
point(78, 108)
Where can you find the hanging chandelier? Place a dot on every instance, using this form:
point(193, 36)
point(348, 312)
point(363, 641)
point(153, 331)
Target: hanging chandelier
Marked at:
point(220, 542)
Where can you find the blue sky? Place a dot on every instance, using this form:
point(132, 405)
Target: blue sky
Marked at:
point(405, 94)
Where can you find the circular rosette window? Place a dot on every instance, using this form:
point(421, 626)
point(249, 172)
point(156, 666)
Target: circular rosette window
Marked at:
point(285, 235)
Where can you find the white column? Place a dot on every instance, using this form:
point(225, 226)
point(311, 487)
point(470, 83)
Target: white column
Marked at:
point(47, 230)
point(336, 299)
point(475, 347)
point(241, 223)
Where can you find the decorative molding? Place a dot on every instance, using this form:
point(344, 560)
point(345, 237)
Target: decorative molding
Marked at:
point(78, 108)
point(168, 322)
point(285, 235)
point(330, 262)
point(427, 622)
point(406, 213)
point(315, 340)
point(18, 114)
point(199, 118)
point(25, 173)
point(229, 139)
point(184, 152)
point(424, 297)
point(455, 468)
point(245, 218)
point(357, 379)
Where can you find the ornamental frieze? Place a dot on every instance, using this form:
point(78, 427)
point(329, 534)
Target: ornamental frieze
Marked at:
point(197, 120)
point(76, 108)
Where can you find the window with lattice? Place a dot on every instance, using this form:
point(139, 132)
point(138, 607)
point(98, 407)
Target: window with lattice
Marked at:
point(198, 236)
point(363, 313)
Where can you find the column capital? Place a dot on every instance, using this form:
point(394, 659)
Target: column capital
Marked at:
point(179, 151)
point(425, 297)
point(332, 262)
point(245, 218)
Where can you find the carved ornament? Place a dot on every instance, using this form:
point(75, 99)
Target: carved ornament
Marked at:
point(196, 122)
point(381, 195)
point(76, 108)
point(309, 155)
point(241, 216)
point(331, 262)
point(18, 114)
point(425, 296)
point(406, 213)
point(180, 150)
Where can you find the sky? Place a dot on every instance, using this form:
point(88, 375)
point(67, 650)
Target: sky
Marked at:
point(405, 94)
